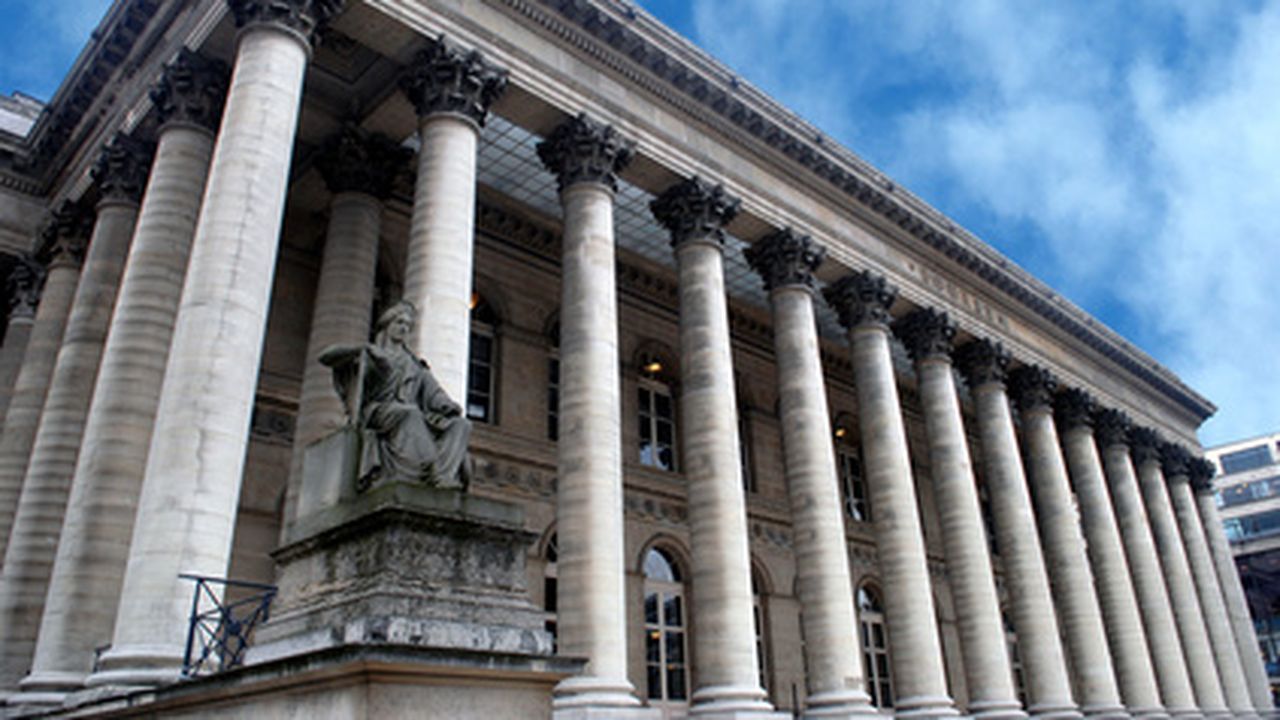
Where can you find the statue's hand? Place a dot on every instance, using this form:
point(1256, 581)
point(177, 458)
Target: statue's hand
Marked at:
point(451, 409)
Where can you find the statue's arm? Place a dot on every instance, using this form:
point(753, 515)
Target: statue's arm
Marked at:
point(338, 356)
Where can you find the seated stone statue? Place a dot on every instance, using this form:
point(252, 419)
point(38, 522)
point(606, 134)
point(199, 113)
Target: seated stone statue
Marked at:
point(410, 429)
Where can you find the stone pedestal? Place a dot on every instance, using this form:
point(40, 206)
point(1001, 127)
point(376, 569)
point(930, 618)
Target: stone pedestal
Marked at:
point(405, 565)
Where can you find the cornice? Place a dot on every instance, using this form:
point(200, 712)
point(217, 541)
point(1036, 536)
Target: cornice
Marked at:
point(634, 45)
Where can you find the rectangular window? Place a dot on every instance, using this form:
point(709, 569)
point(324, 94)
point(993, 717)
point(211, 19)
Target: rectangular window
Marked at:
point(657, 426)
point(857, 504)
point(1249, 492)
point(480, 376)
point(1246, 459)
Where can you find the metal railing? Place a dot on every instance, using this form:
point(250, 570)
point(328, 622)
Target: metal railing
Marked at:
point(217, 637)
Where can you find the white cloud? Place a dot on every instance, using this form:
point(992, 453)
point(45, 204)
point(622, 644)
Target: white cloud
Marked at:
point(1137, 140)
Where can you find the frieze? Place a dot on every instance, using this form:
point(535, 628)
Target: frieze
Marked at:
point(771, 533)
point(507, 476)
point(658, 510)
point(958, 296)
point(648, 66)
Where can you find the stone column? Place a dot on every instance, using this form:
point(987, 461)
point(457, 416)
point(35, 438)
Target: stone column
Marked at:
point(452, 90)
point(24, 295)
point(1044, 664)
point(191, 487)
point(1144, 450)
point(359, 168)
point(1125, 634)
point(862, 301)
point(726, 674)
point(928, 334)
point(1204, 579)
point(1111, 433)
point(591, 620)
point(94, 547)
point(1201, 472)
point(62, 245)
point(1070, 578)
point(836, 684)
point(121, 174)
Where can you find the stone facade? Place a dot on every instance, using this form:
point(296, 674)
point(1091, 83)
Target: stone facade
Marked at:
point(784, 437)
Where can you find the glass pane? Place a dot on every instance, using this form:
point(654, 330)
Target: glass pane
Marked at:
point(652, 646)
point(478, 378)
point(675, 647)
point(882, 665)
point(655, 682)
point(658, 566)
point(665, 434)
point(549, 590)
point(662, 405)
point(645, 405)
point(877, 634)
point(666, 459)
point(650, 605)
point(675, 682)
point(674, 611)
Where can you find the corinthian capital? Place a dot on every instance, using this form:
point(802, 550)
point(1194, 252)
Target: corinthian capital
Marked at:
point(982, 362)
point(785, 258)
point(1176, 462)
point(1032, 387)
point(25, 282)
point(300, 16)
point(1201, 475)
point(583, 150)
point(1144, 445)
point(122, 168)
point(65, 235)
point(356, 160)
point(927, 334)
point(444, 78)
point(192, 89)
point(1111, 427)
point(863, 298)
point(1074, 408)
point(695, 209)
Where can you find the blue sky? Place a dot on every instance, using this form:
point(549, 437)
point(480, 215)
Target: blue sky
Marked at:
point(1126, 153)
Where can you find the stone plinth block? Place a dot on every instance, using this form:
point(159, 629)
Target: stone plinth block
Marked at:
point(406, 565)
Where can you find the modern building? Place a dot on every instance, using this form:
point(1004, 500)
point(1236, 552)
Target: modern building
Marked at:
point(1248, 495)
point(783, 438)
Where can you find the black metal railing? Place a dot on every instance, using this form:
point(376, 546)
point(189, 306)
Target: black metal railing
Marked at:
point(218, 635)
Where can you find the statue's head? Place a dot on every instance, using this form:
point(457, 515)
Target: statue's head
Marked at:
point(396, 322)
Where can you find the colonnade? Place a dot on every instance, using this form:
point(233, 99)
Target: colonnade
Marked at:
point(130, 444)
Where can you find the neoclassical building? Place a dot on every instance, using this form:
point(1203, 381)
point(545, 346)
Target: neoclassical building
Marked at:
point(783, 438)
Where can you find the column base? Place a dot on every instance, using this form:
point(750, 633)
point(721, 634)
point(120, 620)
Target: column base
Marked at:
point(925, 706)
point(1154, 712)
point(1105, 712)
point(997, 710)
point(840, 705)
point(595, 698)
point(137, 666)
point(44, 690)
point(1185, 713)
point(1217, 713)
point(1050, 711)
point(731, 702)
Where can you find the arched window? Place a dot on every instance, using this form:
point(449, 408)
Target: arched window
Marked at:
point(760, 622)
point(657, 414)
point(553, 383)
point(853, 486)
point(874, 636)
point(1015, 659)
point(482, 372)
point(551, 587)
point(665, 620)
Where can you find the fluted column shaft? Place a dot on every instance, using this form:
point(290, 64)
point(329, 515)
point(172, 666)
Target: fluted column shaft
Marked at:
point(1048, 682)
point(591, 618)
point(32, 384)
point(1189, 623)
point(191, 487)
point(919, 676)
point(41, 506)
point(85, 584)
point(1125, 634)
point(1071, 580)
point(452, 91)
point(1233, 594)
point(988, 676)
point(836, 679)
point(1224, 653)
